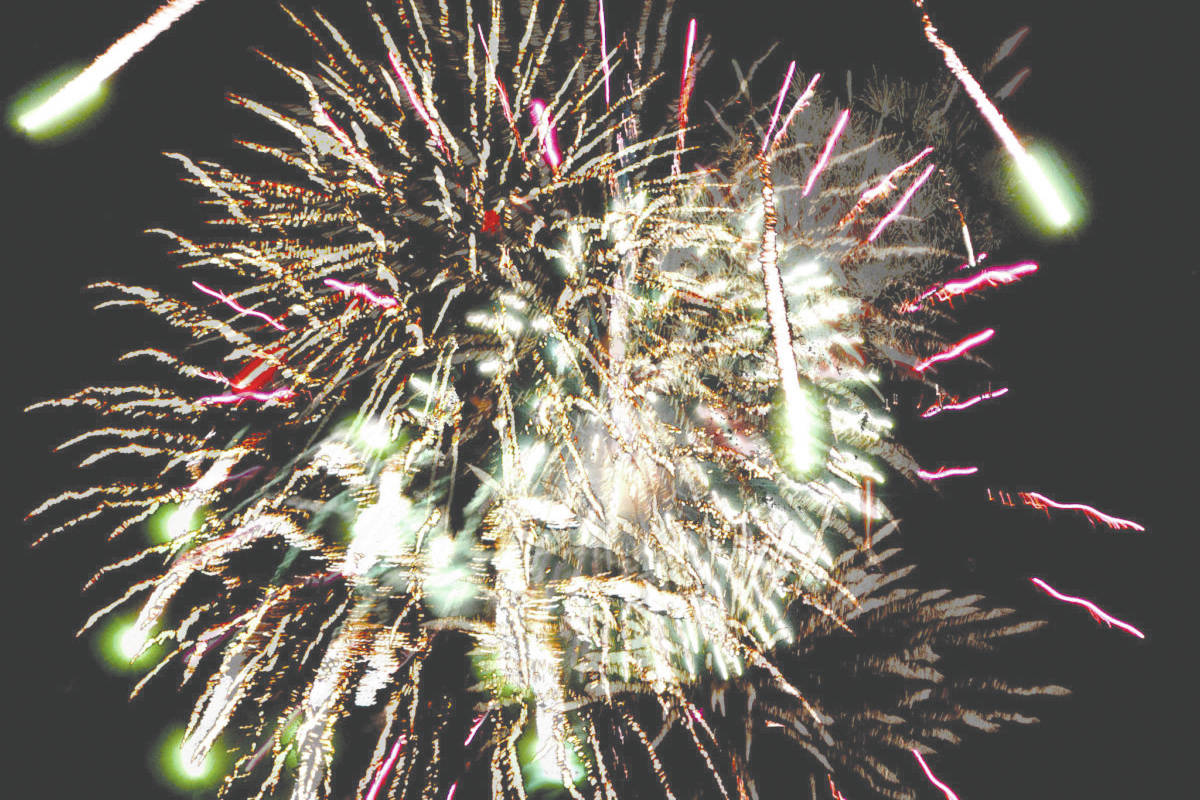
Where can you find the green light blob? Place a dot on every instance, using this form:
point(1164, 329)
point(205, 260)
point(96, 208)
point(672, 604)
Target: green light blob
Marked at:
point(798, 432)
point(122, 650)
point(1046, 218)
point(171, 522)
point(539, 767)
point(42, 113)
point(173, 769)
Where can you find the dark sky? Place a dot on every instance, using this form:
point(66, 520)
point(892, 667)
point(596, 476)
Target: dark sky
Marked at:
point(1099, 349)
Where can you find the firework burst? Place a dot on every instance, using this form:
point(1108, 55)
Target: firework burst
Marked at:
point(534, 435)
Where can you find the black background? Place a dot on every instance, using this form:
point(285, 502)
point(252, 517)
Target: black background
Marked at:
point(1099, 349)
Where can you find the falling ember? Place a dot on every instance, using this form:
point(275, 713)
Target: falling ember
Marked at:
point(88, 82)
point(358, 290)
point(946, 472)
point(901, 204)
point(1043, 503)
point(957, 350)
point(1097, 613)
point(933, 411)
point(1029, 167)
point(838, 127)
point(946, 790)
point(238, 308)
point(547, 136)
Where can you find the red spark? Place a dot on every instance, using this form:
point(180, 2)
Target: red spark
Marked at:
point(227, 300)
point(1097, 613)
point(950, 795)
point(957, 350)
point(827, 152)
point(933, 411)
point(901, 203)
point(1043, 503)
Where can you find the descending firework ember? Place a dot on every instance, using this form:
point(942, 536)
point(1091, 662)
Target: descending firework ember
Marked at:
point(543, 455)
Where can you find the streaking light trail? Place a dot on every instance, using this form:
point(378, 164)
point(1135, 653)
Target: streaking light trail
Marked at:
point(992, 277)
point(1097, 613)
point(933, 411)
point(87, 83)
point(358, 290)
point(787, 81)
point(946, 790)
point(1043, 503)
point(1053, 205)
point(800, 104)
point(838, 127)
point(686, 81)
point(384, 769)
point(237, 397)
point(547, 136)
point(946, 472)
point(957, 350)
point(224, 298)
point(901, 204)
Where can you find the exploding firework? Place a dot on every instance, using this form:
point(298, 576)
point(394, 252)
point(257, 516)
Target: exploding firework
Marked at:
point(535, 435)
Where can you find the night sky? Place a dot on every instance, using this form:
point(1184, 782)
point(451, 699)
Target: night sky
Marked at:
point(1098, 349)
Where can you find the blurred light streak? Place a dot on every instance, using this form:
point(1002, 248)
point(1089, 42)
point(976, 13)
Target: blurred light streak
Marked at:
point(787, 81)
point(933, 411)
point(358, 290)
point(819, 167)
point(1097, 613)
point(950, 795)
point(87, 83)
point(686, 81)
point(547, 136)
point(946, 472)
point(1043, 503)
point(1053, 205)
point(385, 768)
point(901, 203)
point(957, 350)
point(800, 104)
point(227, 300)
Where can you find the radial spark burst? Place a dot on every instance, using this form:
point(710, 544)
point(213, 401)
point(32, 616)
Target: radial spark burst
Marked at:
point(530, 436)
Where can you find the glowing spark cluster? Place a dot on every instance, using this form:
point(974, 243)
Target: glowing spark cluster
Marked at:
point(564, 448)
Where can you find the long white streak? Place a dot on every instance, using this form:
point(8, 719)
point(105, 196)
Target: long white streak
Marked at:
point(787, 81)
point(86, 83)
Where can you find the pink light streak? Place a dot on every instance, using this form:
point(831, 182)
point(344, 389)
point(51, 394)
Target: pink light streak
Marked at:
point(834, 790)
point(883, 188)
point(413, 98)
point(933, 411)
point(991, 277)
point(604, 55)
point(450, 794)
point(358, 290)
point(685, 93)
point(901, 203)
point(227, 300)
point(800, 104)
point(827, 152)
point(957, 350)
point(946, 790)
point(237, 397)
point(1097, 613)
point(385, 768)
point(324, 119)
point(1043, 503)
point(547, 136)
point(787, 81)
point(475, 728)
point(946, 472)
